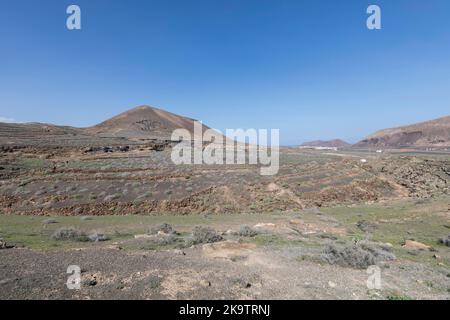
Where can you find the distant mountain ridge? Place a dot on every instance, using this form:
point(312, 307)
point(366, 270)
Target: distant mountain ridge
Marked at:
point(434, 133)
point(336, 143)
point(145, 122)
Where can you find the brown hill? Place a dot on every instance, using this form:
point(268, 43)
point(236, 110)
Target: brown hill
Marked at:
point(434, 133)
point(34, 129)
point(137, 124)
point(143, 122)
point(34, 133)
point(337, 143)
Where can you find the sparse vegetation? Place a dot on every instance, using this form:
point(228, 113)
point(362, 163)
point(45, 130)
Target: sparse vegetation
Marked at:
point(164, 228)
point(398, 297)
point(445, 241)
point(161, 241)
point(97, 237)
point(69, 234)
point(358, 256)
point(204, 235)
point(154, 282)
point(4, 245)
point(366, 226)
point(247, 231)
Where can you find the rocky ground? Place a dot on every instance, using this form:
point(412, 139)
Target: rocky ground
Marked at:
point(247, 256)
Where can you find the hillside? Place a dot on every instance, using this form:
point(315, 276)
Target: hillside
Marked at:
point(434, 133)
point(337, 143)
point(137, 124)
point(143, 122)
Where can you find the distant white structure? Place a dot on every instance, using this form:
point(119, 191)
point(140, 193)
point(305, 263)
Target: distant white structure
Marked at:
point(363, 160)
point(379, 151)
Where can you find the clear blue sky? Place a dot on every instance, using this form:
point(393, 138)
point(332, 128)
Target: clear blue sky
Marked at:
point(310, 68)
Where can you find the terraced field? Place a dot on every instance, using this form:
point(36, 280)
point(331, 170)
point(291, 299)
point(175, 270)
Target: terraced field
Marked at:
point(145, 181)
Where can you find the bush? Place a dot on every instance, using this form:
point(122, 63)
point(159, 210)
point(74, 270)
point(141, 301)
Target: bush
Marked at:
point(164, 228)
point(204, 235)
point(359, 256)
point(366, 226)
point(165, 240)
point(69, 234)
point(158, 241)
point(154, 282)
point(97, 237)
point(4, 245)
point(445, 241)
point(246, 231)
